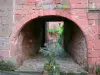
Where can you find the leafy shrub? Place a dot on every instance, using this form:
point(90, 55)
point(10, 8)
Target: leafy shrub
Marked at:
point(6, 65)
point(50, 66)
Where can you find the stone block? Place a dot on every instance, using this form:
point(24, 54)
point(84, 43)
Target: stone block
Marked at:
point(20, 1)
point(91, 61)
point(93, 16)
point(6, 4)
point(90, 44)
point(25, 12)
point(5, 20)
point(31, 11)
point(18, 17)
point(4, 53)
point(51, 12)
point(94, 53)
point(4, 31)
point(65, 14)
point(10, 14)
point(4, 43)
point(93, 37)
point(96, 44)
point(80, 12)
point(18, 12)
point(32, 1)
point(2, 13)
point(79, 5)
point(19, 7)
point(93, 31)
point(9, 1)
point(25, 7)
point(93, 22)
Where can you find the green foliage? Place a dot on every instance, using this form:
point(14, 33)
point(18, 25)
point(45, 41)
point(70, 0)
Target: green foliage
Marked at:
point(98, 69)
point(60, 31)
point(6, 65)
point(50, 66)
point(53, 31)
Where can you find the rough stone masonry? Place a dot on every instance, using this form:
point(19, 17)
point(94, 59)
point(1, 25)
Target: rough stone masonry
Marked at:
point(14, 14)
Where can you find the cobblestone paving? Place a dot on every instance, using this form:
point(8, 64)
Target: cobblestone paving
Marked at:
point(36, 64)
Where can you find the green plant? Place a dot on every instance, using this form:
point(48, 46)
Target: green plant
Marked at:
point(53, 31)
point(60, 29)
point(60, 34)
point(50, 66)
point(98, 70)
point(6, 65)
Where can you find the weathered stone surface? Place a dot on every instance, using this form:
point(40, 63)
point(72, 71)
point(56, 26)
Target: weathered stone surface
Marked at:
point(4, 43)
point(6, 20)
point(78, 49)
point(4, 53)
point(2, 13)
point(87, 21)
point(78, 14)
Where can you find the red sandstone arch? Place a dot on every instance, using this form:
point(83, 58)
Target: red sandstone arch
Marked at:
point(20, 24)
point(27, 18)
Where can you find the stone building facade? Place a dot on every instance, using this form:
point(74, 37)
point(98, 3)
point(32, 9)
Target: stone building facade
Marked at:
point(81, 19)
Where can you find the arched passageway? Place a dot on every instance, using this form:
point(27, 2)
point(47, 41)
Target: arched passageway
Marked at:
point(33, 34)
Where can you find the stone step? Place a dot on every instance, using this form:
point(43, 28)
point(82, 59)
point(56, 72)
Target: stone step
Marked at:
point(37, 73)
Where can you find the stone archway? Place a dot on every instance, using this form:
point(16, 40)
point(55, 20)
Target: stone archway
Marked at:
point(75, 43)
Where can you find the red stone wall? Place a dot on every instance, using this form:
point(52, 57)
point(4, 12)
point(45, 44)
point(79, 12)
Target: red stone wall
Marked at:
point(29, 41)
point(6, 24)
point(39, 7)
point(93, 37)
point(77, 47)
point(26, 10)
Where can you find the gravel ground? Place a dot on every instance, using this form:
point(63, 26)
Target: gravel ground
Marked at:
point(36, 64)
